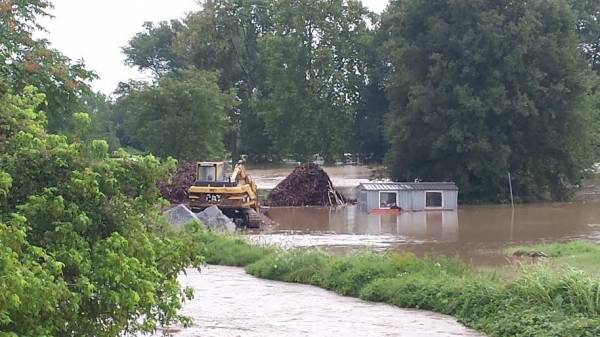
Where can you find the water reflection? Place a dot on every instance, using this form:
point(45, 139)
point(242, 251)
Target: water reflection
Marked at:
point(470, 232)
point(468, 224)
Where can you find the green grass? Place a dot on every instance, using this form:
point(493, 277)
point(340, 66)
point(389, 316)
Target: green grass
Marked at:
point(581, 255)
point(541, 301)
point(231, 250)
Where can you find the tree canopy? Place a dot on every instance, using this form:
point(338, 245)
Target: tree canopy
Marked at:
point(298, 69)
point(183, 114)
point(588, 29)
point(446, 90)
point(25, 60)
point(482, 88)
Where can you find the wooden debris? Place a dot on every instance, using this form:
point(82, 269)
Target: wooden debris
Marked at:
point(307, 185)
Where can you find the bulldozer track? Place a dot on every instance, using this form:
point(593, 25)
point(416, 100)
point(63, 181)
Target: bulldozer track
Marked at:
point(254, 219)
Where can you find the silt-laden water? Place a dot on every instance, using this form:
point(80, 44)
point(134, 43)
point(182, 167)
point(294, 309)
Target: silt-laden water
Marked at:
point(476, 234)
point(229, 302)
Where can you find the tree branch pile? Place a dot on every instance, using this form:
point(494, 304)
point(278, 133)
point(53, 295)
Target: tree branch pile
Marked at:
point(177, 190)
point(307, 185)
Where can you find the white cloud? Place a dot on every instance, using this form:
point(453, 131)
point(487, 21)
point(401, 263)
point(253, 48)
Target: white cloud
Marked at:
point(95, 31)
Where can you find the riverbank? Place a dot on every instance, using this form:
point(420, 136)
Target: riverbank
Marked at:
point(541, 301)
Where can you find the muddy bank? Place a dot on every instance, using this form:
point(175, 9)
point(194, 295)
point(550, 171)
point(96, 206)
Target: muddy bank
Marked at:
point(230, 302)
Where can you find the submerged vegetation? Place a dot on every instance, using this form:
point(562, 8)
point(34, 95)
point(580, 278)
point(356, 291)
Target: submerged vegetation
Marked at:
point(540, 302)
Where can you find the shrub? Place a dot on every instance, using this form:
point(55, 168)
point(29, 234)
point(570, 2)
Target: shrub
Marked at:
point(83, 248)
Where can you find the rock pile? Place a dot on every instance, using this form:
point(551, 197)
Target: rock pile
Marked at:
point(307, 185)
point(181, 180)
point(212, 218)
point(179, 216)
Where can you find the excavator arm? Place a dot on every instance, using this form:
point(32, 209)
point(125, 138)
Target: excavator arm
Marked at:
point(239, 174)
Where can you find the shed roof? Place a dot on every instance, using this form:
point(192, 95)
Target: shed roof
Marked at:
point(405, 186)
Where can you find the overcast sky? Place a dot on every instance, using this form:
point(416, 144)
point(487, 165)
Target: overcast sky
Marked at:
point(95, 31)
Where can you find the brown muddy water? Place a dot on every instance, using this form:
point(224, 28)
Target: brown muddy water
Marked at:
point(476, 234)
point(229, 302)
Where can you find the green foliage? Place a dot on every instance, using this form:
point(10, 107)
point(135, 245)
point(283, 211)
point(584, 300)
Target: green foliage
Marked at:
point(316, 67)
point(152, 48)
point(103, 124)
point(5, 184)
point(221, 37)
point(540, 302)
point(26, 61)
point(299, 71)
point(480, 88)
point(588, 30)
point(84, 250)
point(183, 115)
point(581, 255)
point(231, 250)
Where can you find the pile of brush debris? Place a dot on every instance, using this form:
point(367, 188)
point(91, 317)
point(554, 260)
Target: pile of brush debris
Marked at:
point(307, 185)
point(176, 191)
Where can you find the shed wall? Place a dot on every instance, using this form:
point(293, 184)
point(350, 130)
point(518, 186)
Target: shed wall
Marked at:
point(407, 200)
point(363, 200)
point(450, 200)
point(373, 200)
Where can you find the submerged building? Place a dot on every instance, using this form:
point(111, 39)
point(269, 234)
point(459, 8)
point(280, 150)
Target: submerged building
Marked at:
point(418, 196)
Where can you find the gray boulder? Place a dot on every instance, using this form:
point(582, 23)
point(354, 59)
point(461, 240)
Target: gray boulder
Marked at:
point(179, 216)
point(214, 219)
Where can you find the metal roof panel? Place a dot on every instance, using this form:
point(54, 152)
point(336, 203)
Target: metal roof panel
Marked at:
point(407, 186)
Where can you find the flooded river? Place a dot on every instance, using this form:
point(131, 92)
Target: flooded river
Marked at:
point(475, 233)
point(229, 302)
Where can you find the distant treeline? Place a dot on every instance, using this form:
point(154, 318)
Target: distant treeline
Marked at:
point(465, 90)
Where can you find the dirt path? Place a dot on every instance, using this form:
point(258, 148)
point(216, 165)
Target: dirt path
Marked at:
point(230, 302)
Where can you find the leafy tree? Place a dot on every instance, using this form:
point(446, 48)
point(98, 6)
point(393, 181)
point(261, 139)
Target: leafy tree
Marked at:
point(83, 250)
point(482, 88)
point(368, 134)
point(152, 49)
point(102, 125)
point(184, 114)
point(588, 29)
point(221, 37)
point(315, 70)
point(27, 61)
point(224, 37)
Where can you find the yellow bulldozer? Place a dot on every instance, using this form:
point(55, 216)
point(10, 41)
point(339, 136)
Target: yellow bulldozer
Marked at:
point(235, 195)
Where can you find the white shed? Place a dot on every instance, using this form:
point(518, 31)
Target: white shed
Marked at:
point(418, 196)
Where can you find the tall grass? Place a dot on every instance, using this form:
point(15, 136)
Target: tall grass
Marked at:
point(541, 302)
point(582, 255)
point(561, 249)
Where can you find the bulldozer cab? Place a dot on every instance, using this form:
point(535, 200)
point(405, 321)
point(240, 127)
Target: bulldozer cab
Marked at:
point(211, 172)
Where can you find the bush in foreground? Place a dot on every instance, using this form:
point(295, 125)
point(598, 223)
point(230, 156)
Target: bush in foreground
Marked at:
point(83, 249)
